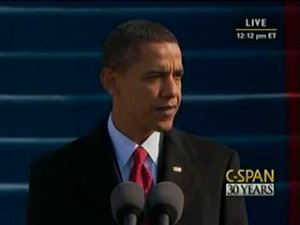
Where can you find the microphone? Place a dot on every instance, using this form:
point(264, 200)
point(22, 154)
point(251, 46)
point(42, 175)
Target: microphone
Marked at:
point(165, 203)
point(127, 203)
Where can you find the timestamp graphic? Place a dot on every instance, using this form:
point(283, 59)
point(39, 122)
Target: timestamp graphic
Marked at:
point(256, 29)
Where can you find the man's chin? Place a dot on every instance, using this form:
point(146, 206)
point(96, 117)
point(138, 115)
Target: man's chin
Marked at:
point(164, 126)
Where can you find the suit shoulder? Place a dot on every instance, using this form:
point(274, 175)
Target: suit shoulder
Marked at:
point(61, 156)
point(206, 145)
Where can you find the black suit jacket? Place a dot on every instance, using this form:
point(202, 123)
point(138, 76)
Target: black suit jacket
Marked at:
point(72, 186)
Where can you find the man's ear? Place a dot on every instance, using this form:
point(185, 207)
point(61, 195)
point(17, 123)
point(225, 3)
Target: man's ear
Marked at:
point(109, 80)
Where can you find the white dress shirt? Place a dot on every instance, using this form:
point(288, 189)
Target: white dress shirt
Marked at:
point(124, 149)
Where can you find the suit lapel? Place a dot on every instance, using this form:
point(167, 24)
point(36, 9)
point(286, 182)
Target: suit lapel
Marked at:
point(174, 162)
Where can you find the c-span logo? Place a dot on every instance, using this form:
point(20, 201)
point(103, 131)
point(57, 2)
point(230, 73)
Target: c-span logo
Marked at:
point(248, 182)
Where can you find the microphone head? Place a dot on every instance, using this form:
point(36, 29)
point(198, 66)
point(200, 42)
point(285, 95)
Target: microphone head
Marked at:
point(166, 198)
point(126, 198)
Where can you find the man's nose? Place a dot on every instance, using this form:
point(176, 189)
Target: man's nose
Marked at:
point(170, 86)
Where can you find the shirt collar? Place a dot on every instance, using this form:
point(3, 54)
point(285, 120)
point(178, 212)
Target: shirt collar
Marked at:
point(124, 147)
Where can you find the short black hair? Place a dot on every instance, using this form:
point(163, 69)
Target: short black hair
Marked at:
point(129, 34)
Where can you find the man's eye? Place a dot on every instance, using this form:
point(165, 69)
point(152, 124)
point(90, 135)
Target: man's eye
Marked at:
point(179, 75)
point(154, 75)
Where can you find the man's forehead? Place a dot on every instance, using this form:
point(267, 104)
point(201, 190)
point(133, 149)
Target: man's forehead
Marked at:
point(140, 46)
point(155, 56)
point(166, 67)
point(158, 51)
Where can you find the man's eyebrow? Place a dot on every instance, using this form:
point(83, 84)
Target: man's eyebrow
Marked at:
point(156, 71)
point(163, 71)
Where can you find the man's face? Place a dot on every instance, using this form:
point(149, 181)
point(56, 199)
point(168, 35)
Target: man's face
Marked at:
point(150, 90)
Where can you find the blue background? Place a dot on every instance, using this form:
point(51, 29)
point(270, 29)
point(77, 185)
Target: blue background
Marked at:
point(234, 90)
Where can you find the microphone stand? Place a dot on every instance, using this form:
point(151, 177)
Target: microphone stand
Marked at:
point(163, 219)
point(130, 219)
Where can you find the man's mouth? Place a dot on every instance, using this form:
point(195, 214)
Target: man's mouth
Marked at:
point(166, 111)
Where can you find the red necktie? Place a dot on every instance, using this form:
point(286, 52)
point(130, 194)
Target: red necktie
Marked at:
point(139, 172)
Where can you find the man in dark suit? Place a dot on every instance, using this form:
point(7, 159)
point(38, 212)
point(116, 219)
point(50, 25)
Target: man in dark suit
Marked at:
point(142, 71)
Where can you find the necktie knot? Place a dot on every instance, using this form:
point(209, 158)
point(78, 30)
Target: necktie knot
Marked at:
point(140, 155)
point(140, 174)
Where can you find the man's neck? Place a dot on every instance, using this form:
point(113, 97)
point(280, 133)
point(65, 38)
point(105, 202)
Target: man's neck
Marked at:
point(138, 136)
